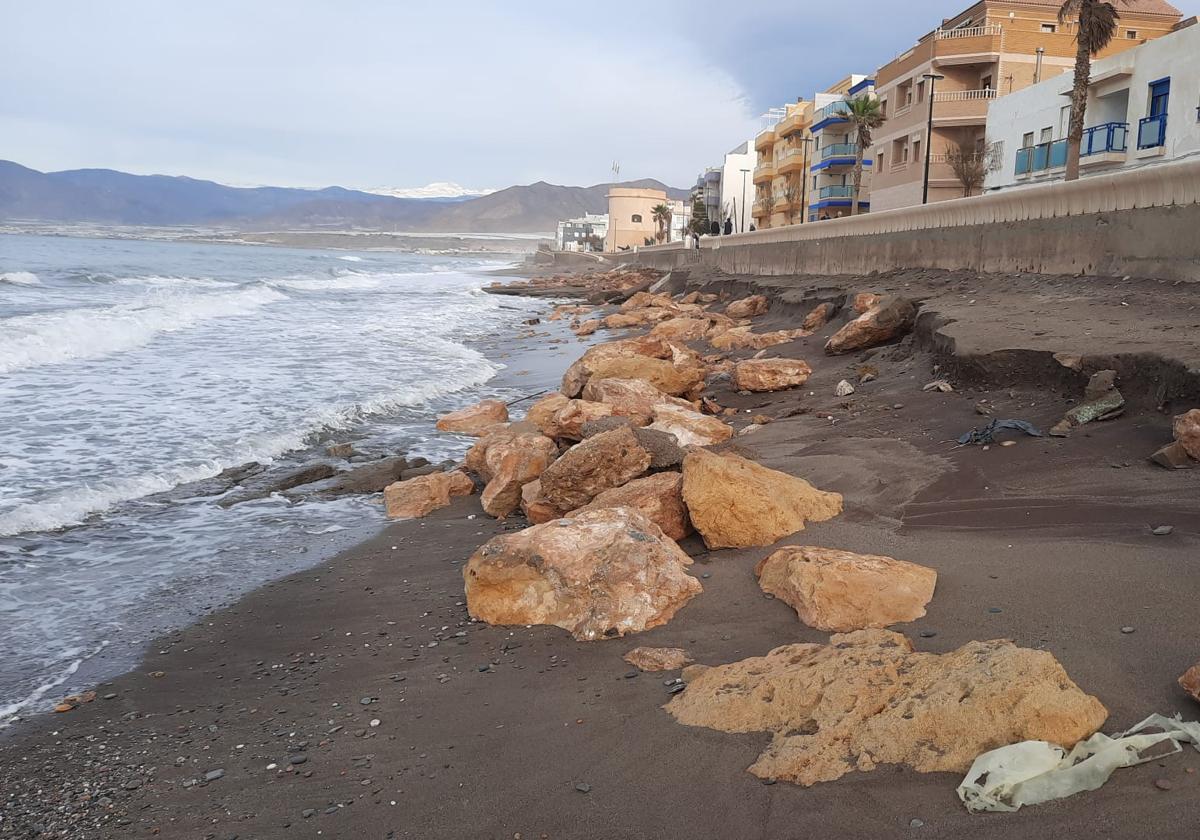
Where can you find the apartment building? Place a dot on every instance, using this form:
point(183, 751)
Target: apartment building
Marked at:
point(781, 176)
point(988, 51)
point(1143, 108)
point(584, 233)
point(835, 150)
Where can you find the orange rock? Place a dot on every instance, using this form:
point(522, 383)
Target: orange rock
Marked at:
point(541, 413)
point(659, 497)
point(657, 659)
point(568, 421)
point(420, 496)
point(770, 374)
point(663, 374)
point(475, 419)
point(598, 574)
point(606, 460)
point(632, 398)
point(513, 463)
point(581, 369)
point(863, 301)
point(818, 317)
point(643, 300)
point(867, 699)
point(840, 591)
point(690, 428)
point(1190, 681)
point(735, 503)
point(536, 509)
point(890, 318)
point(682, 329)
point(587, 327)
point(1187, 432)
point(742, 338)
point(747, 307)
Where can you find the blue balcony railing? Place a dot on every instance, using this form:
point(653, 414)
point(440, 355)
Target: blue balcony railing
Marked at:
point(839, 150)
point(833, 109)
point(1041, 157)
point(1107, 137)
point(1152, 131)
point(835, 191)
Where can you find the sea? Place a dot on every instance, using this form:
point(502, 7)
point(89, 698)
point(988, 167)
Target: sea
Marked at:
point(130, 368)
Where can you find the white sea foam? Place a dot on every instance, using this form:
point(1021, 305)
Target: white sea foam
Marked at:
point(74, 658)
point(54, 337)
point(346, 281)
point(174, 282)
point(350, 258)
point(19, 278)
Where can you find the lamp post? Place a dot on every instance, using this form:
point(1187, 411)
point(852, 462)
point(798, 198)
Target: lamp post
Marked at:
point(933, 80)
point(807, 141)
point(742, 225)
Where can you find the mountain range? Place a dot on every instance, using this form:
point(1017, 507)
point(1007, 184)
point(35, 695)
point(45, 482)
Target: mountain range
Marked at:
point(105, 196)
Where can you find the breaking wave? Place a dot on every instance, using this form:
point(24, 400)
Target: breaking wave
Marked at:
point(19, 278)
point(50, 338)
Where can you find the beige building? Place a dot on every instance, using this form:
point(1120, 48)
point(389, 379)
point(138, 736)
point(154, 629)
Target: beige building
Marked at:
point(988, 50)
point(780, 177)
point(631, 217)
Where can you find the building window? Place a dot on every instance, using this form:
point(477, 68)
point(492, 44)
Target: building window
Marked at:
point(1027, 140)
point(921, 91)
point(1131, 34)
point(637, 218)
point(1049, 27)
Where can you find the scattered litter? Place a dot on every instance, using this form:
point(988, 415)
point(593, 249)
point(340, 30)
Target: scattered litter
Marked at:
point(1032, 772)
point(1162, 530)
point(843, 389)
point(987, 434)
point(939, 385)
point(1101, 401)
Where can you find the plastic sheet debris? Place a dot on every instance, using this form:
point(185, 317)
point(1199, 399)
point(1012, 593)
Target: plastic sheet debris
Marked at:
point(1102, 401)
point(987, 434)
point(1032, 772)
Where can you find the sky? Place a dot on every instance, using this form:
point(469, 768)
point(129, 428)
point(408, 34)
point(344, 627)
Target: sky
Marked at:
point(400, 93)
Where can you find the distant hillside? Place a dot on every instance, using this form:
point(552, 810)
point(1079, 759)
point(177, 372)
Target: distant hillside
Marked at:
point(105, 196)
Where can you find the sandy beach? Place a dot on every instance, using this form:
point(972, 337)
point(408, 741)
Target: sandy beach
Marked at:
point(358, 699)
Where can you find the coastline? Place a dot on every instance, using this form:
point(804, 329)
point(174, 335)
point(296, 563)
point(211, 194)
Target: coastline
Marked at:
point(491, 733)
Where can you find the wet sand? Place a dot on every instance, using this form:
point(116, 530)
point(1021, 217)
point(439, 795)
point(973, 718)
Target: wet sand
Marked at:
point(491, 732)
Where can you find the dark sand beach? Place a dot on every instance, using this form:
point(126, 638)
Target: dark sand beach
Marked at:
point(359, 700)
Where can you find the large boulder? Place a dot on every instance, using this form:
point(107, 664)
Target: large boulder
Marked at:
point(659, 497)
point(747, 307)
point(259, 485)
point(644, 300)
point(474, 419)
point(419, 496)
point(863, 301)
point(585, 328)
point(591, 467)
point(770, 374)
point(598, 574)
point(512, 463)
point(840, 591)
point(891, 317)
point(370, 477)
point(535, 508)
point(541, 413)
point(1187, 432)
point(682, 329)
point(744, 338)
point(580, 371)
point(476, 459)
point(867, 699)
point(735, 503)
point(569, 420)
point(632, 398)
point(663, 374)
point(818, 317)
point(690, 428)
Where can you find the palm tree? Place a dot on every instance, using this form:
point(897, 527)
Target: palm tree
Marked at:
point(864, 114)
point(1095, 24)
point(662, 217)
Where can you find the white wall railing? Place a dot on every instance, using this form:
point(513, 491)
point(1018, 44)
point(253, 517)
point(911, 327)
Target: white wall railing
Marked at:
point(963, 95)
point(968, 32)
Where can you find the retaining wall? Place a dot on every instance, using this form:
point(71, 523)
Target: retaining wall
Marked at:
point(1144, 223)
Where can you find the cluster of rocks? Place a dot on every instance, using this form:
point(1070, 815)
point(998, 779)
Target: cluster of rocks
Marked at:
point(1184, 451)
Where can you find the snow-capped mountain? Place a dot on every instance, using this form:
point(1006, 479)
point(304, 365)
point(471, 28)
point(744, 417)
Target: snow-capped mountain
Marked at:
point(438, 189)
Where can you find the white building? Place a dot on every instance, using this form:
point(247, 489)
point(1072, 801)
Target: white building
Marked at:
point(737, 187)
point(582, 234)
point(1143, 108)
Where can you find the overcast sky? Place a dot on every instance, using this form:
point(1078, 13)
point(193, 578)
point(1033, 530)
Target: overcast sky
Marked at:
point(399, 93)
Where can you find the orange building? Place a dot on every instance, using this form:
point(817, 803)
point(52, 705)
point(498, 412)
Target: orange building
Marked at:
point(780, 178)
point(989, 50)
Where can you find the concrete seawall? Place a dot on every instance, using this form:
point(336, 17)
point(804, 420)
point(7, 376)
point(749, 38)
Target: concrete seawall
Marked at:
point(1144, 223)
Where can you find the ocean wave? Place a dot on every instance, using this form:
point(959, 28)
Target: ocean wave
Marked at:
point(20, 278)
point(350, 258)
point(71, 507)
point(50, 338)
point(173, 282)
point(342, 281)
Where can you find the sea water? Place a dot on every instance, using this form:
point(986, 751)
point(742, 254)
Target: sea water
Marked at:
point(130, 368)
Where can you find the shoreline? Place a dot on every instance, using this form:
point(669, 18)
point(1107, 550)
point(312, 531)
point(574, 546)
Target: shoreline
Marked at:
point(490, 731)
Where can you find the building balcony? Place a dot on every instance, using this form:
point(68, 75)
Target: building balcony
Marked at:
point(838, 156)
point(835, 191)
point(960, 107)
point(1042, 158)
point(765, 171)
point(1104, 144)
point(968, 45)
point(793, 160)
point(764, 140)
point(794, 123)
point(832, 114)
point(1152, 132)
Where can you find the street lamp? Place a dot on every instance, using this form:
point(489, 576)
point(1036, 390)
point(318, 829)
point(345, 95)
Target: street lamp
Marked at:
point(742, 225)
point(933, 78)
point(807, 141)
